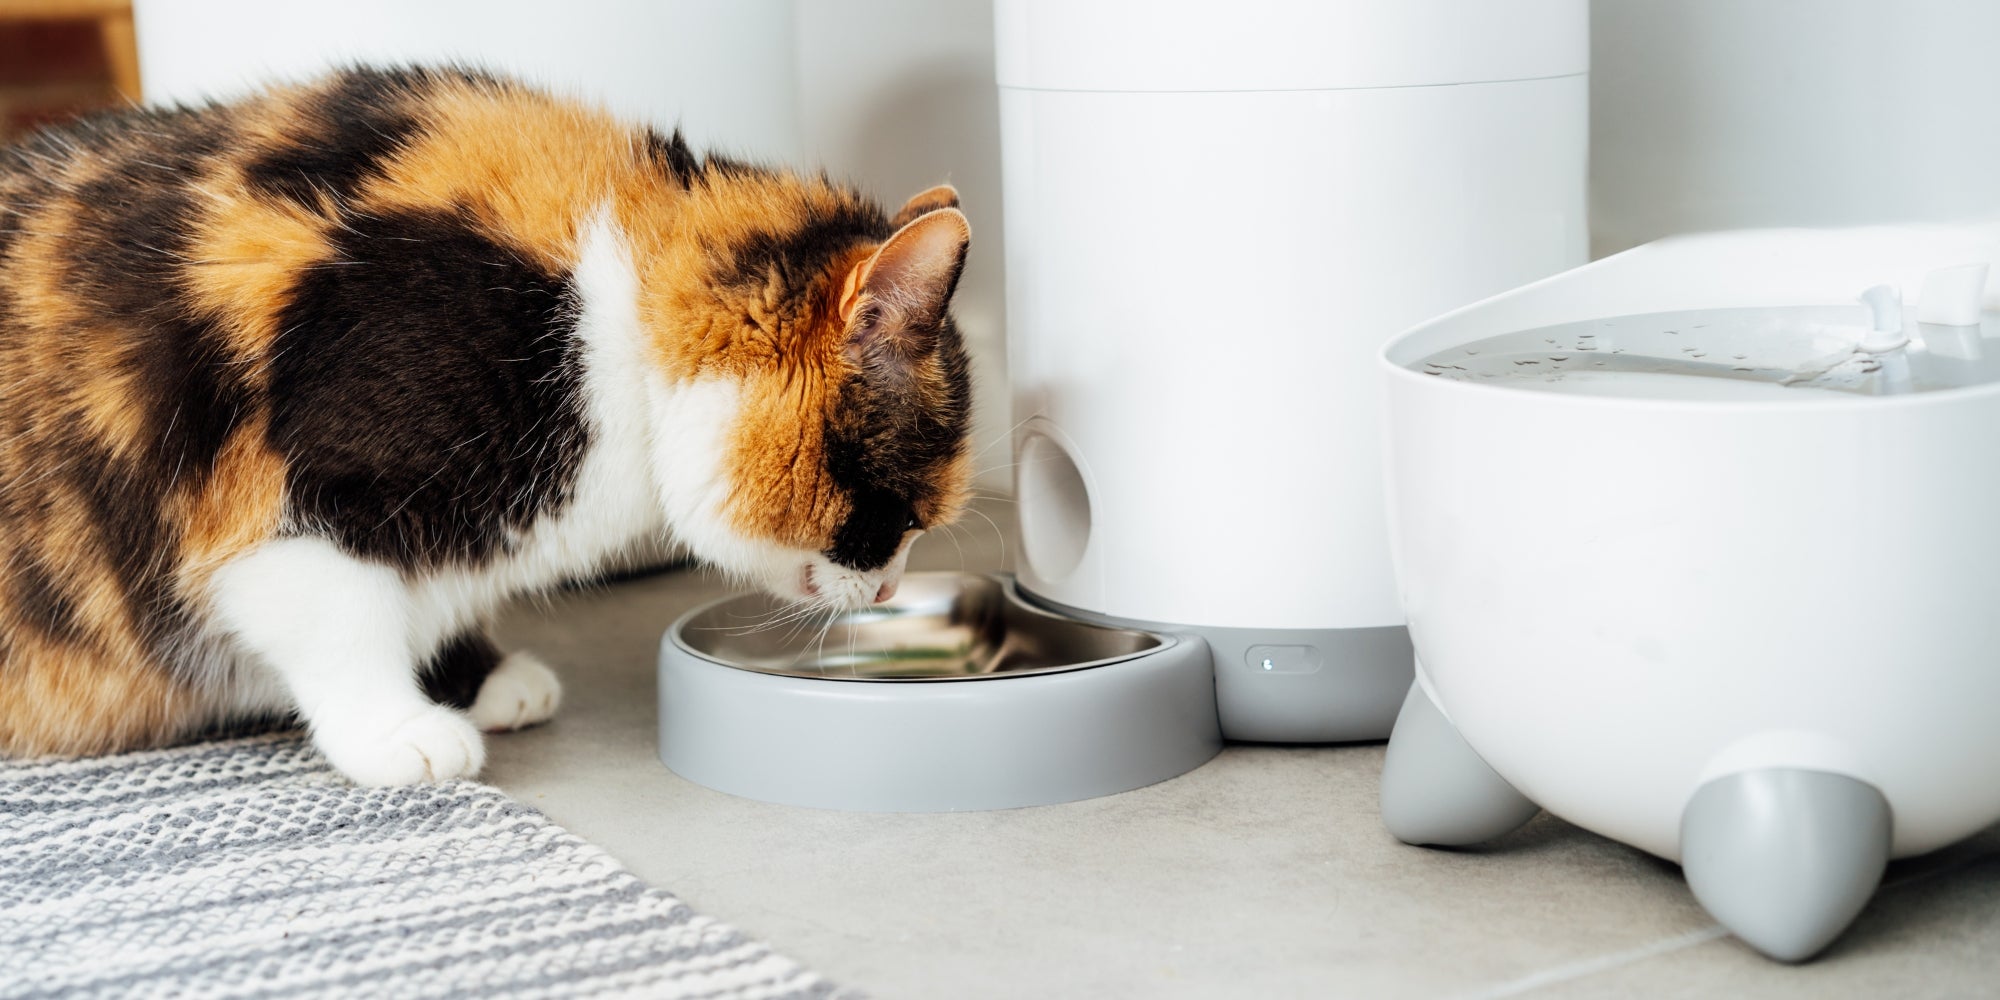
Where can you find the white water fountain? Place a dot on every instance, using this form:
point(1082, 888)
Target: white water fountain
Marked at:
point(1701, 553)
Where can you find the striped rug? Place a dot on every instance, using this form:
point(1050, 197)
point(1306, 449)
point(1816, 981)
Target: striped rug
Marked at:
point(247, 868)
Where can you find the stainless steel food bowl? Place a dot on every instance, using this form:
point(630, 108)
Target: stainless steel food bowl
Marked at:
point(954, 695)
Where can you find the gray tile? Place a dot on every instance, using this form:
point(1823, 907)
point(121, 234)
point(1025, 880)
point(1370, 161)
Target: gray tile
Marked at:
point(1265, 873)
point(1932, 931)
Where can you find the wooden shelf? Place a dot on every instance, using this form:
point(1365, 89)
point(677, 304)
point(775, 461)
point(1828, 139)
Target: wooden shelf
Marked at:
point(114, 26)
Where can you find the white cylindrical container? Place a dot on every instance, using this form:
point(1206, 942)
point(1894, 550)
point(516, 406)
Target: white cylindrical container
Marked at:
point(1215, 215)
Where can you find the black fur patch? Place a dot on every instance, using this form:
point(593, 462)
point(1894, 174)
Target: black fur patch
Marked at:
point(130, 237)
point(40, 599)
point(23, 188)
point(455, 673)
point(802, 254)
point(873, 531)
point(132, 535)
point(424, 392)
point(884, 449)
point(729, 166)
point(671, 154)
point(345, 134)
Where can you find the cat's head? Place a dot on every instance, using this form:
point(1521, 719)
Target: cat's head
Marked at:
point(837, 432)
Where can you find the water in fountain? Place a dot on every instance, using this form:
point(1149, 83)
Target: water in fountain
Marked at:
point(1726, 354)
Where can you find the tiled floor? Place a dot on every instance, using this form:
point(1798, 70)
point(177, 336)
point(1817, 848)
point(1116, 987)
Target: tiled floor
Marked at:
point(1265, 873)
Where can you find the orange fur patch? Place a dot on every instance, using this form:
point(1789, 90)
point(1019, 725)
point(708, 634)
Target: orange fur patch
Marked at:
point(61, 700)
point(777, 460)
point(699, 329)
point(65, 352)
point(237, 507)
point(245, 257)
point(528, 167)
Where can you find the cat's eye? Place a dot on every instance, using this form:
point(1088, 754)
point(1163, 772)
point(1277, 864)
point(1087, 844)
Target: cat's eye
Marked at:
point(914, 525)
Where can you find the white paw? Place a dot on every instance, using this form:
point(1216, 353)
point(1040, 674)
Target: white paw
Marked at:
point(435, 744)
point(521, 691)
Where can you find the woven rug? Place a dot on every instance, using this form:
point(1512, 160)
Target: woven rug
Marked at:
point(248, 868)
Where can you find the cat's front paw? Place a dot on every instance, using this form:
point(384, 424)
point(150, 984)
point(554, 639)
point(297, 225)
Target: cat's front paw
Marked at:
point(521, 691)
point(435, 744)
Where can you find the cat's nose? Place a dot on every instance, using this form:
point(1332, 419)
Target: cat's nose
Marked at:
point(892, 574)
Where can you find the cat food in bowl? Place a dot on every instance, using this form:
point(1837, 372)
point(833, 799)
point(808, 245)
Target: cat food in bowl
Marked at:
point(953, 695)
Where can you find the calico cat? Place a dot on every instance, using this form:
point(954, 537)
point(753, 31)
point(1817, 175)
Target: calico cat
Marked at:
point(294, 392)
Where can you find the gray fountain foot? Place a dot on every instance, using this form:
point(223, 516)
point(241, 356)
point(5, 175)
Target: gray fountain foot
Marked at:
point(1785, 859)
point(1435, 788)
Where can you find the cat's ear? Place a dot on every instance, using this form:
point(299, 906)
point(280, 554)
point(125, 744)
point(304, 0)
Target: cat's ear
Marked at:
point(897, 297)
point(942, 196)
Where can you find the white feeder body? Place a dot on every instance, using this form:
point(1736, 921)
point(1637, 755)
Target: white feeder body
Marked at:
point(1215, 215)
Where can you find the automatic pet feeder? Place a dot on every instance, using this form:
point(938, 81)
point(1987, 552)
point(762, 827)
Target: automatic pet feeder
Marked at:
point(1700, 553)
point(1215, 214)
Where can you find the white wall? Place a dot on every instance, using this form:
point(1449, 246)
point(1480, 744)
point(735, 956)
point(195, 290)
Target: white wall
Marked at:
point(1713, 114)
point(721, 68)
point(898, 95)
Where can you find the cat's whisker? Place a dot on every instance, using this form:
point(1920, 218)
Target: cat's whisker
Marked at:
point(803, 621)
point(809, 609)
point(832, 615)
point(749, 619)
point(1006, 435)
point(951, 534)
point(852, 660)
point(998, 535)
point(789, 614)
point(774, 618)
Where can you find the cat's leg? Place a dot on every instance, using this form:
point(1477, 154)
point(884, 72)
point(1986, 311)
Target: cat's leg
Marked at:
point(500, 692)
point(335, 631)
point(520, 692)
point(458, 669)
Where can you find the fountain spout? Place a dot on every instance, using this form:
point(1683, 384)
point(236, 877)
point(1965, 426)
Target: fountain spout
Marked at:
point(1885, 305)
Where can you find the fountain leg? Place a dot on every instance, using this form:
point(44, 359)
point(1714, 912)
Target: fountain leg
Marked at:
point(1785, 858)
point(1436, 790)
